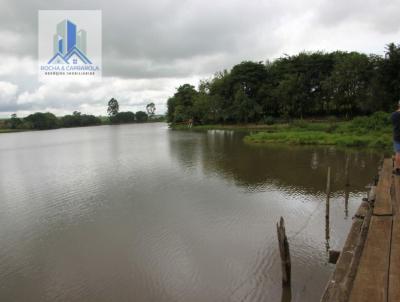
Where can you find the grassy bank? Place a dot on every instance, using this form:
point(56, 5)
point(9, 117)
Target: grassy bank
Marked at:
point(368, 132)
point(236, 127)
point(6, 130)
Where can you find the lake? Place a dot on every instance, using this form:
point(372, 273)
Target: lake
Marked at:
point(143, 213)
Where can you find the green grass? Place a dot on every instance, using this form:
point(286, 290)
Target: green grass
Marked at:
point(237, 127)
point(367, 132)
point(346, 134)
point(374, 140)
point(6, 130)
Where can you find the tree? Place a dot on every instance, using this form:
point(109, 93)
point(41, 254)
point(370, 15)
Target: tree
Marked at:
point(113, 107)
point(303, 85)
point(141, 116)
point(151, 108)
point(180, 106)
point(42, 121)
point(78, 119)
point(123, 117)
point(348, 86)
point(15, 122)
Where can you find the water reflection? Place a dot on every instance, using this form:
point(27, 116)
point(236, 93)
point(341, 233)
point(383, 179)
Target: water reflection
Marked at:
point(296, 168)
point(140, 212)
point(286, 294)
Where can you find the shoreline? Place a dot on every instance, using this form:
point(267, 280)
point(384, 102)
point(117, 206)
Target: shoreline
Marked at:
point(8, 130)
point(320, 133)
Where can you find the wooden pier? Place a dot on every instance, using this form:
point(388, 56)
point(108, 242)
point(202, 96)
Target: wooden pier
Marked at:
point(368, 268)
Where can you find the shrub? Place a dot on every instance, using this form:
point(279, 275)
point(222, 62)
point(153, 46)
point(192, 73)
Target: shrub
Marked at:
point(377, 121)
point(141, 116)
point(42, 121)
point(300, 124)
point(123, 118)
point(269, 120)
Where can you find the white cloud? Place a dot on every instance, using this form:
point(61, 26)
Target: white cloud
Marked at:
point(11, 65)
point(7, 91)
point(64, 98)
point(151, 47)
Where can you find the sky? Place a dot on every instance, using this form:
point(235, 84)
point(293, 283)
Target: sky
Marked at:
point(151, 47)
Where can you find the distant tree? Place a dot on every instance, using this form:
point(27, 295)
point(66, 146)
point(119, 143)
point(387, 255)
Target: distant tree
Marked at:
point(348, 86)
point(15, 122)
point(89, 120)
point(245, 109)
point(123, 117)
point(42, 121)
point(113, 107)
point(141, 116)
point(180, 106)
point(150, 108)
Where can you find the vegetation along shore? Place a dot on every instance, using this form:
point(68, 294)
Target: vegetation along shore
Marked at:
point(348, 92)
point(47, 120)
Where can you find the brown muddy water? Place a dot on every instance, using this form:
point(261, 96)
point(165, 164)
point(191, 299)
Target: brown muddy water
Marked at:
point(144, 213)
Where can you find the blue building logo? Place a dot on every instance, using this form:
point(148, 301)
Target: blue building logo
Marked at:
point(69, 45)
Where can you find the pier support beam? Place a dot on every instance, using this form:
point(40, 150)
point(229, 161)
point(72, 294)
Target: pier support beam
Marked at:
point(284, 252)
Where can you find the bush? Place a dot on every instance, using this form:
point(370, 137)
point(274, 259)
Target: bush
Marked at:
point(123, 118)
point(77, 120)
point(378, 121)
point(300, 124)
point(42, 121)
point(269, 120)
point(141, 116)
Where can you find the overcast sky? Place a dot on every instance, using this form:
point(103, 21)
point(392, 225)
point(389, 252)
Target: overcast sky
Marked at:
point(151, 47)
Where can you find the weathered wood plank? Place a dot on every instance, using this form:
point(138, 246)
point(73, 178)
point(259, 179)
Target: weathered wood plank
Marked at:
point(371, 281)
point(396, 199)
point(362, 210)
point(383, 202)
point(340, 285)
point(337, 289)
point(394, 273)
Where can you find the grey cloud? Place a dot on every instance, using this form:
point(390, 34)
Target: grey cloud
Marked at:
point(160, 33)
point(381, 15)
point(152, 46)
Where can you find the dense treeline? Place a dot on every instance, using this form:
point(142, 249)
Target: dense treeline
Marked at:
point(117, 117)
point(42, 121)
point(344, 84)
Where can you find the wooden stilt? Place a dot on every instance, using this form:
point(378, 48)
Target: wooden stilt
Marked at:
point(327, 208)
point(328, 191)
point(346, 171)
point(284, 252)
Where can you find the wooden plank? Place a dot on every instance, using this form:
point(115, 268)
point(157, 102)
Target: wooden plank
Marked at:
point(362, 210)
point(340, 285)
point(336, 289)
point(371, 281)
point(383, 202)
point(394, 274)
point(396, 199)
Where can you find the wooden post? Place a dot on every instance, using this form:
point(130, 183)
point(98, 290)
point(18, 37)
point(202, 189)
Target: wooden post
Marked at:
point(328, 191)
point(346, 171)
point(346, 201)
point(286, 294)
point(333, 256)
point(284, 252)
point(327, 206)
